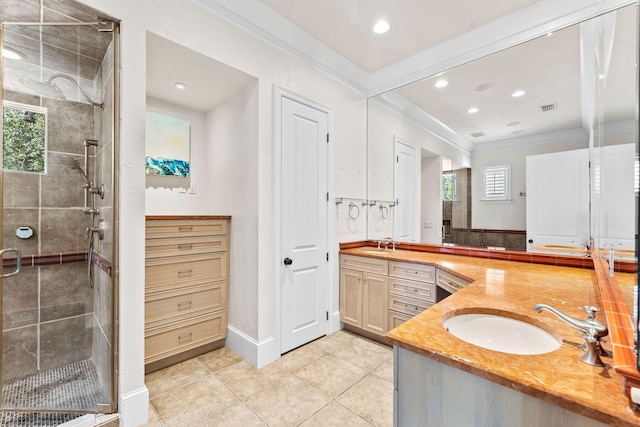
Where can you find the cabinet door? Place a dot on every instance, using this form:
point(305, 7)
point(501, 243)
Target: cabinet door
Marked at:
point(375, 293)
point(351, 297)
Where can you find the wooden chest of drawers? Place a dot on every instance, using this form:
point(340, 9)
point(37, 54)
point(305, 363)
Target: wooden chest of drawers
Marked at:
point(186, 287)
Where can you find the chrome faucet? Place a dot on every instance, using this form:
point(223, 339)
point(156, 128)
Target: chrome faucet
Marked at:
point(387, 241)
point(593, 332)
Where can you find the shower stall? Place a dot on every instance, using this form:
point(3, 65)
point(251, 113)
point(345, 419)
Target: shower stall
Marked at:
point(59, 80)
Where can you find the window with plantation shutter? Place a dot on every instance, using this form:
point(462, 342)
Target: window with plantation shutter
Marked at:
point(496, 183)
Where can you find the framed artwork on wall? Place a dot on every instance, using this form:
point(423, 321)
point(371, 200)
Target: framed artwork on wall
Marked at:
point(167, 146)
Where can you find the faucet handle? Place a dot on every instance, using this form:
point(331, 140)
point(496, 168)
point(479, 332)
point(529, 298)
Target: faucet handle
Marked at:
point(591, 311)
point(593, 350)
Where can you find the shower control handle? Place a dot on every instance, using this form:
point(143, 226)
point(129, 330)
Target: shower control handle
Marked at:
point(100, 229)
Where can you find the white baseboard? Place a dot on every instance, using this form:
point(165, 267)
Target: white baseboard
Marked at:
point(134, 408)
point(256, 353)
point(334, 322)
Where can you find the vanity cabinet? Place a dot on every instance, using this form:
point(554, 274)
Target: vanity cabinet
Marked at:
point(186, 287)
point(364, 286)
point(377, 295)
point(449, 282)
point(412, 289)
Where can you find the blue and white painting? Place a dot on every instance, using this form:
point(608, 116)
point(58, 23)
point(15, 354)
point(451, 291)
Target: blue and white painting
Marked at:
point(167, 146)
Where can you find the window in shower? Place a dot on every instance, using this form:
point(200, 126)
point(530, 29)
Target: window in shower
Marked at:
point(24, 135)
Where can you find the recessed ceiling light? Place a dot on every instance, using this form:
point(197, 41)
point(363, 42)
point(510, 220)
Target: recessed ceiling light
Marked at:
point(9, 53)
point(381, 27)
point(441, 83)
point(181, 86)
point(473, 110)
point(484, 87)
point(518, 93)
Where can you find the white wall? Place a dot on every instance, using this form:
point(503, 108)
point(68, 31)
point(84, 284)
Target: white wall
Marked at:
point(191, 26)
point(512, 215)
point(383, 126)
point(232, 180)
point(350, 172)
point(431, 200)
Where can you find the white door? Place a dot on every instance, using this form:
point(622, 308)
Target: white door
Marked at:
point(406, 175)
point(304, 224)
point(615, 190)
point(557, 200)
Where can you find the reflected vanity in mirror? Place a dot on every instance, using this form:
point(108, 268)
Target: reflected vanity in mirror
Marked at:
point(496, 153)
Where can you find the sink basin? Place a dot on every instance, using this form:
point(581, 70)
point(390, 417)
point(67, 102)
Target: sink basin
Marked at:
point(500, 331)
point(374, 251)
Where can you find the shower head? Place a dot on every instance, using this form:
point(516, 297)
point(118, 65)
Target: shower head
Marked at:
point(71, 163)
point(48, 89)
point(52, 90)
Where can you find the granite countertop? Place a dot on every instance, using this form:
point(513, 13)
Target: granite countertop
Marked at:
point(558, 377)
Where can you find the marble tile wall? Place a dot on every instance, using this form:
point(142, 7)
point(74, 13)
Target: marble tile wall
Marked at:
point(103, 290)
point(49, 308)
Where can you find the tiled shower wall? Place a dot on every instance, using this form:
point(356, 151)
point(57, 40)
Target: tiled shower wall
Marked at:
point(48, 310)
point(102, 290)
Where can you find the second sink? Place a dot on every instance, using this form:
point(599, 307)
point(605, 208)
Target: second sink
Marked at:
point(499, 331)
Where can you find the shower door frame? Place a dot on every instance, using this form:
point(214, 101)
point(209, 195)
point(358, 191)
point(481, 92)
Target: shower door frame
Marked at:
point(111, 407)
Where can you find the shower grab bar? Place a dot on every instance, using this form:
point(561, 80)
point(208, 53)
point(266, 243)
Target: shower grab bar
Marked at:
point(18, 262)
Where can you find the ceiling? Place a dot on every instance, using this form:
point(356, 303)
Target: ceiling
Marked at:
point(335, 36)
point(209, 82)
point(346, 26)
point(340, 26)
point(547, 68)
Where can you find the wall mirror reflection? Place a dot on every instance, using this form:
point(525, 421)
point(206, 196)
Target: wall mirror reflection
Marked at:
point(516, 131)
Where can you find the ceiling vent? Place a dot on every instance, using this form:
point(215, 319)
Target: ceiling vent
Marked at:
point(548, 107)
point(477, 134)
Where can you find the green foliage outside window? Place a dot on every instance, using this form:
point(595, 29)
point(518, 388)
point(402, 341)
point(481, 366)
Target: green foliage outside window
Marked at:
point(448, 186)
point(24, 138)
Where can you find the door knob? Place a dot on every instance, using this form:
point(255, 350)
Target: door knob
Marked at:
point(288, 261)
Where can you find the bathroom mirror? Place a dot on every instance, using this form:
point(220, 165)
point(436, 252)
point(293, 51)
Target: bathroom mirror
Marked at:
point(476, 118)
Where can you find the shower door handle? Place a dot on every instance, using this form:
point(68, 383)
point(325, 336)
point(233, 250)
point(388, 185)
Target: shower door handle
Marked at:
point(18, 262)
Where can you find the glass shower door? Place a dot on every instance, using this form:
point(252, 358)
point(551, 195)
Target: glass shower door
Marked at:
point(57, 149)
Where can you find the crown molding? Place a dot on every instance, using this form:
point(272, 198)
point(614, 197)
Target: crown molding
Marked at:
point(555, 138)
point(620, 132)
point(257, 19)
point(504, 32)
point(405, 108)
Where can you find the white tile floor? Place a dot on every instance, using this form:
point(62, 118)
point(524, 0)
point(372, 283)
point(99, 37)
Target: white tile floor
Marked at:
point(339, 380)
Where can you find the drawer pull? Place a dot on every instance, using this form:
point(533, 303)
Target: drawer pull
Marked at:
point(185, 228)
point(185, 247)
point(185, 338)
point(184, 274)
point(184, 306)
